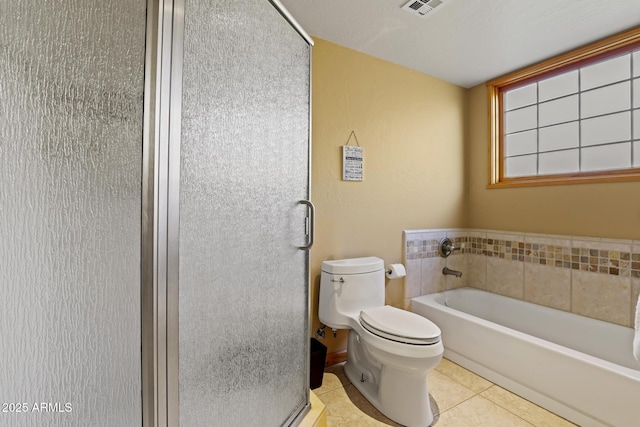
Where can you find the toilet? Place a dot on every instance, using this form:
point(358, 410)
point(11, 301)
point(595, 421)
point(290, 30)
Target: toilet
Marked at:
point(390, 351)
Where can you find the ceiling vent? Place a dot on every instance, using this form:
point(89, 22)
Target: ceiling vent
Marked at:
point(423, 8)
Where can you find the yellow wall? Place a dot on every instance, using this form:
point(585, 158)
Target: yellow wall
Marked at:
point(601, 210)
point(411, 127)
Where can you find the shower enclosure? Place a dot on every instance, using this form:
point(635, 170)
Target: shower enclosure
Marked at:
point(154, 213)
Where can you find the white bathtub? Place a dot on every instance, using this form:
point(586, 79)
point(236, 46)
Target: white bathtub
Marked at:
point(579, 368)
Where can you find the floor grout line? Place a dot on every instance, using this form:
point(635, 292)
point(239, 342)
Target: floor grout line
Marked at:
point(507, 409)
point(456, 405)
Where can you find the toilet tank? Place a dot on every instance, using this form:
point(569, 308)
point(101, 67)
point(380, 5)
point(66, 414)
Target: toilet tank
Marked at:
point(348, 286)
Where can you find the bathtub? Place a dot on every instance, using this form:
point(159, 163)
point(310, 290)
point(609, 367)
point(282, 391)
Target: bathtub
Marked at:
point(579, 368)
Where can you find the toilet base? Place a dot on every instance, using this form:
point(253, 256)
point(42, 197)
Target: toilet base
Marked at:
point(399, 394)
point(398, 399)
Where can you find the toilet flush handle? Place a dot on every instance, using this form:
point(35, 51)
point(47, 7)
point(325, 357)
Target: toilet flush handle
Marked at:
point(337, 284)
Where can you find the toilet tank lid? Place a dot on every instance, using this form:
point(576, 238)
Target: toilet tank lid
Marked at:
point(353, 265)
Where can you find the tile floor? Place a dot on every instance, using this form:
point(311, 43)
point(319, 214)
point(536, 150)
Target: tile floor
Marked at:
point(459, 398)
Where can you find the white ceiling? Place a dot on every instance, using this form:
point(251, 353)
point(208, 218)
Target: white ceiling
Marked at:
point(465, 42)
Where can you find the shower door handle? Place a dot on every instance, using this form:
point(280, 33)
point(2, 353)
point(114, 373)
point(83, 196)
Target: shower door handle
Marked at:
point(312, 224)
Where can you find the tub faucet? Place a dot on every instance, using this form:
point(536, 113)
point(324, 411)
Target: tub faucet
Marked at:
point(447, 271)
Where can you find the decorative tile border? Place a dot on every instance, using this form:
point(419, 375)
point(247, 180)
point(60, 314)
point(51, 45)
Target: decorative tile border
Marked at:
point(418, 249)
point(589, 256)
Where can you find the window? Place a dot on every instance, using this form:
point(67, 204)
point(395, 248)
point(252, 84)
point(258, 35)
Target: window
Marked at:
point(574, 118)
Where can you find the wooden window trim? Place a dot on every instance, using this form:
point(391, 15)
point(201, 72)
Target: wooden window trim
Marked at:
point(598, 51)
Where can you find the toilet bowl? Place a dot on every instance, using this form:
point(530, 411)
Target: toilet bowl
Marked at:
point(390, 351)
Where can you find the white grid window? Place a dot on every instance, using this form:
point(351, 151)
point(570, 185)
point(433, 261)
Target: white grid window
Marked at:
point(583, 120)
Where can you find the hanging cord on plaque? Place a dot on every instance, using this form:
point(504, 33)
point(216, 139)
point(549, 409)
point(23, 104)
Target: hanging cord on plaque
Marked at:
point(353, 133)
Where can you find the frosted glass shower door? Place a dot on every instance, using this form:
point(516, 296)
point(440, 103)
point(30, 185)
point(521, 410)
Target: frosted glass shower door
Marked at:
point(71, 119)
point(244, 167)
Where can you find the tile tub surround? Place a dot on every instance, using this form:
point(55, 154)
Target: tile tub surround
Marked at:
point(594, 277)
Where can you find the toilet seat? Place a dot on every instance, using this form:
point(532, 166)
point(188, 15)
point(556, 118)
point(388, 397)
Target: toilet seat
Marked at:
point(399, 325)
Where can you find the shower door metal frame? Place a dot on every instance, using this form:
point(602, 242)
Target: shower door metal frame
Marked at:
point(148, 321)
point(161, 137)
point(160, 211)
